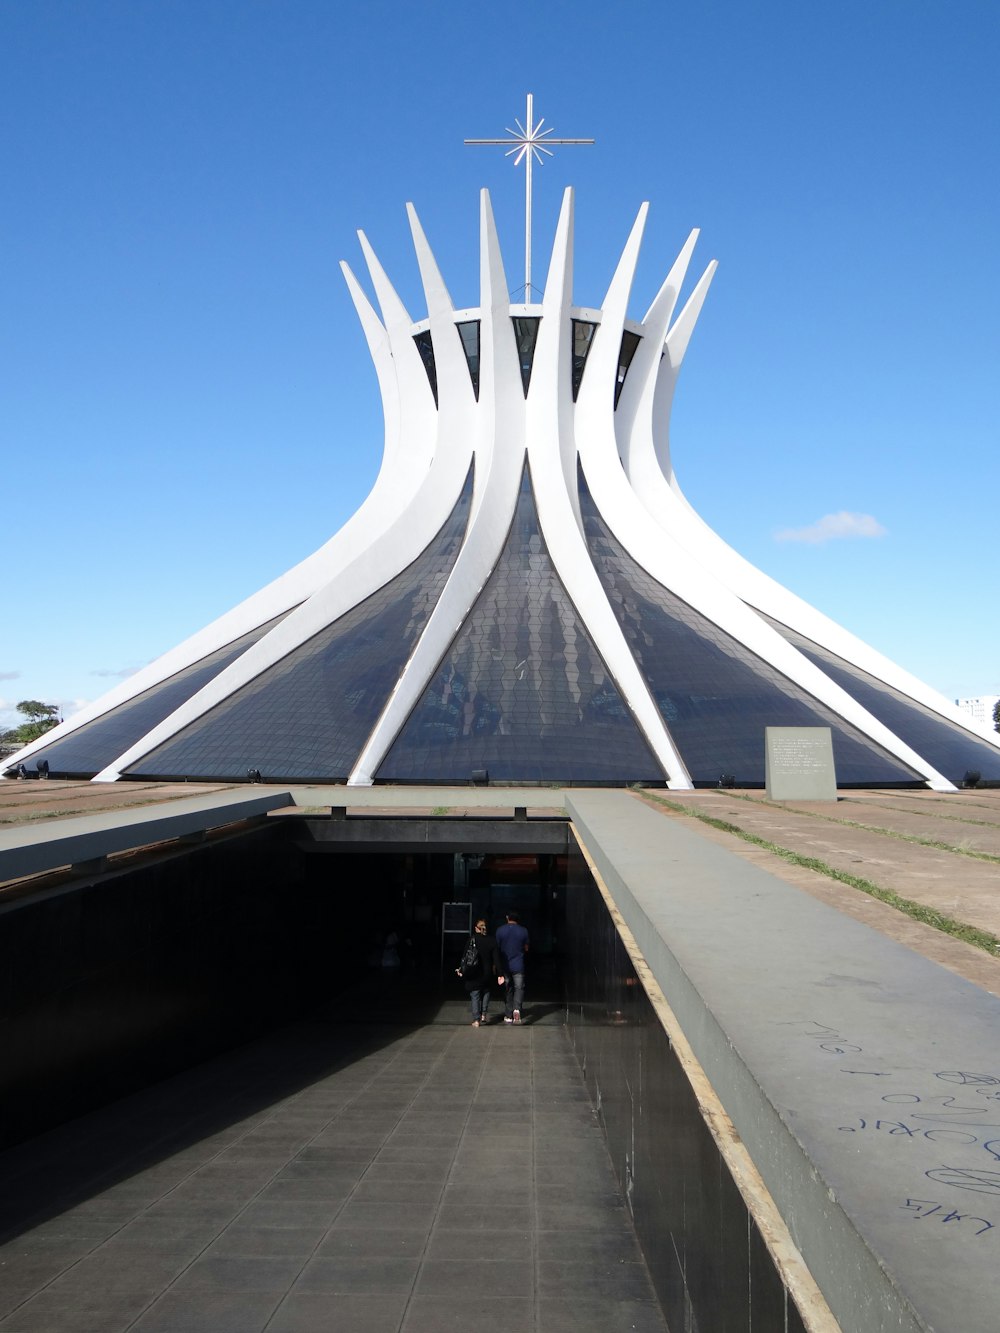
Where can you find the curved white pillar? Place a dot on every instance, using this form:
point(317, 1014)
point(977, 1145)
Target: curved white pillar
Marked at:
point(624, 452)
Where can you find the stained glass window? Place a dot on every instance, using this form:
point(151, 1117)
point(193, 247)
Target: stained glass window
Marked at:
point(583, 337)
point(630, 342)
point(522, 692)
point(944, 744)
point(308, 716)
point(526, 336)
point(96, 744)
point(468, 331)
point(714, 694)
point(425, 347)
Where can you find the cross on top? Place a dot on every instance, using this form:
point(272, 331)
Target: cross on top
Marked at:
point(525, 144)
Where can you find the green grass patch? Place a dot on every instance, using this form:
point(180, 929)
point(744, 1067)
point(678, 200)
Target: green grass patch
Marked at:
point(929, 916)
point(441, 810)
point(935, 814)
point(935, 843)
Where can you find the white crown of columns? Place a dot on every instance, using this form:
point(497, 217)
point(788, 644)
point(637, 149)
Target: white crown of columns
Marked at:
point(616, 430)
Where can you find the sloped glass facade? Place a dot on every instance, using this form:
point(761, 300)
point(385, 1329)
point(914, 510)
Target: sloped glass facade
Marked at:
point(308, 716)
point(715, 695)
point(522, 692)
point(950, 749)
point(98, 743)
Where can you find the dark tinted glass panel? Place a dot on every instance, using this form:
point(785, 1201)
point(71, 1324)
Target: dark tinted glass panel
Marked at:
point(630, 341)
point(583, 337)
point(426, 349)
point(945, 745)
point(97, 743)
point(308, 716)
point(468, 331)
point(715, 695)
point(522, 691)
point(526, 335)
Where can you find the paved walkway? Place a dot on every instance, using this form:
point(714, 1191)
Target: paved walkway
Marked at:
point(347, 1173)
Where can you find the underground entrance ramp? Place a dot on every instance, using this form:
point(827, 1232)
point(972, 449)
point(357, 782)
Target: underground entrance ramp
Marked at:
point(345, 1173)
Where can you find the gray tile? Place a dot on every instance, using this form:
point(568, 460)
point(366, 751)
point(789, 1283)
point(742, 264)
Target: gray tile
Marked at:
point(266, 1241)
point(433, 1134)
point(592, 1196)
point(109, 1272)
point(22, 1276)
point(363, 1274)
point(205, 1312)
point(581, 1278)
point(311, 1312)
point(234, 1191)
point(34, 1319)
point(607, 1246)
point(454, 1279)
point(417, 1148)
point(194, 1210)
point(73, 1227)
point(319, 1156)
point(598, 1315)
point(246, 1273)
point(48, 1311)
point(435, 1314)
point(338, 1173)
point(364, 1146)
point(404, 1192)
point(415, 1217)
point(166, 1232)
point(409, 1169)
point(568, 1217)
point(309, 1189)
point(395, 1242)
point(35, 1248)
point(317, 1213)
point(241, 1155)
point(484, 1217)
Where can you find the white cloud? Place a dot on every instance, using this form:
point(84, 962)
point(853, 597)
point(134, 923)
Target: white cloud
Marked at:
point(118, 675)
point(832, 526)
point(10, 675)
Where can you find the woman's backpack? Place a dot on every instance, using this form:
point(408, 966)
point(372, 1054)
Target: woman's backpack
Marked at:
point(470, 965)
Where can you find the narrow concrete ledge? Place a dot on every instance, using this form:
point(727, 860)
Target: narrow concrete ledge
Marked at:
point(427, 834)
point(863, 1078)
point(33, 849)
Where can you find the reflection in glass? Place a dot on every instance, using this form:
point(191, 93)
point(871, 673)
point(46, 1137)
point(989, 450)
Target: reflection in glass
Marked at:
point(944, 744)
point(715, 695)
point(526, 336)
point(468, 331)
point(583, 337)
point(426, 349)
point(96, 744)
point(308, 716)
point(522, 692)
point(630, 341)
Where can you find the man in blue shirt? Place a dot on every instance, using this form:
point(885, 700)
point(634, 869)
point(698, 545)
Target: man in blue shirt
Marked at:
point(513, 943)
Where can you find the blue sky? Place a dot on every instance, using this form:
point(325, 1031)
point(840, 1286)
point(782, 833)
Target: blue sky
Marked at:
point(187, 406)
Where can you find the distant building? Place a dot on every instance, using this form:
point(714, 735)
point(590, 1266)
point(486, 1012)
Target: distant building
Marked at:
point(981, 708)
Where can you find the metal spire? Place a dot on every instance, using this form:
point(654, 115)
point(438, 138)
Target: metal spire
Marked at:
point(526, 142)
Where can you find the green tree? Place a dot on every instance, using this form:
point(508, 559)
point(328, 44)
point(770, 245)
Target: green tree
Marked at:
point(996, 716)
point(40, 719)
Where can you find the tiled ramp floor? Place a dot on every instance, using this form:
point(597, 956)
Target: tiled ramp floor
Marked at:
point(361, 1176)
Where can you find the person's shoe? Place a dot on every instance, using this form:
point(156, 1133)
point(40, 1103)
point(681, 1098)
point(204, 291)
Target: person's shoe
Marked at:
point(508, 1020)
point(517, 1016)
point(482, 1019)
point(475, 1022)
